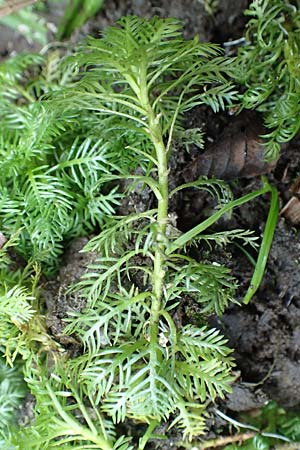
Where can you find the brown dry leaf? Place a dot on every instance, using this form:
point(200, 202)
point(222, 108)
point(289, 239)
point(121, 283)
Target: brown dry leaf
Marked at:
point(238, 152)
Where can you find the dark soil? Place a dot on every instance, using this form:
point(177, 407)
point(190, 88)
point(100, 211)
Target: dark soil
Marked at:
point(266, 333)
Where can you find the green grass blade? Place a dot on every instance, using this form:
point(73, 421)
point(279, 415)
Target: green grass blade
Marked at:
point(191, 234)
point(76, 14)
point(265, 246)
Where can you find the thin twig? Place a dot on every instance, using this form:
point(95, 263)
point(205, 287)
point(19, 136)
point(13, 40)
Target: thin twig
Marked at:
point(221, 441)
point(290, 446)
point(12, 6)
point(224, 440)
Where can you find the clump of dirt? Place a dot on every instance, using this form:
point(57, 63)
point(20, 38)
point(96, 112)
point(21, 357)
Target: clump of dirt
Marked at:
point(225, 24)
point(196, 21)
point(229, 21)
point(266, 334)
point(59, 301)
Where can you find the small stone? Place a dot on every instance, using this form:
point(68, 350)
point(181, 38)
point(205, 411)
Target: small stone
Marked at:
point(2, 239)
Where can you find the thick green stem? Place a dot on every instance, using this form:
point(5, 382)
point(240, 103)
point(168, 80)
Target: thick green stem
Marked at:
point(160, 252)
point(155, 132)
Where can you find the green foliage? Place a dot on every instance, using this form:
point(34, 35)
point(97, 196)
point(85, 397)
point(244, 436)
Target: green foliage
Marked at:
point(269, 68)
point(71, 133)
point(136, 363)
point(22, 327)
point(50, 171)
point(61, 417)
point(15, 307)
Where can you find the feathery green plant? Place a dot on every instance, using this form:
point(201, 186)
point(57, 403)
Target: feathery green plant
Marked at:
point(269, 68)
point(71, 134)
point(136, 363)
point(22, 326)
point(51, 163)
